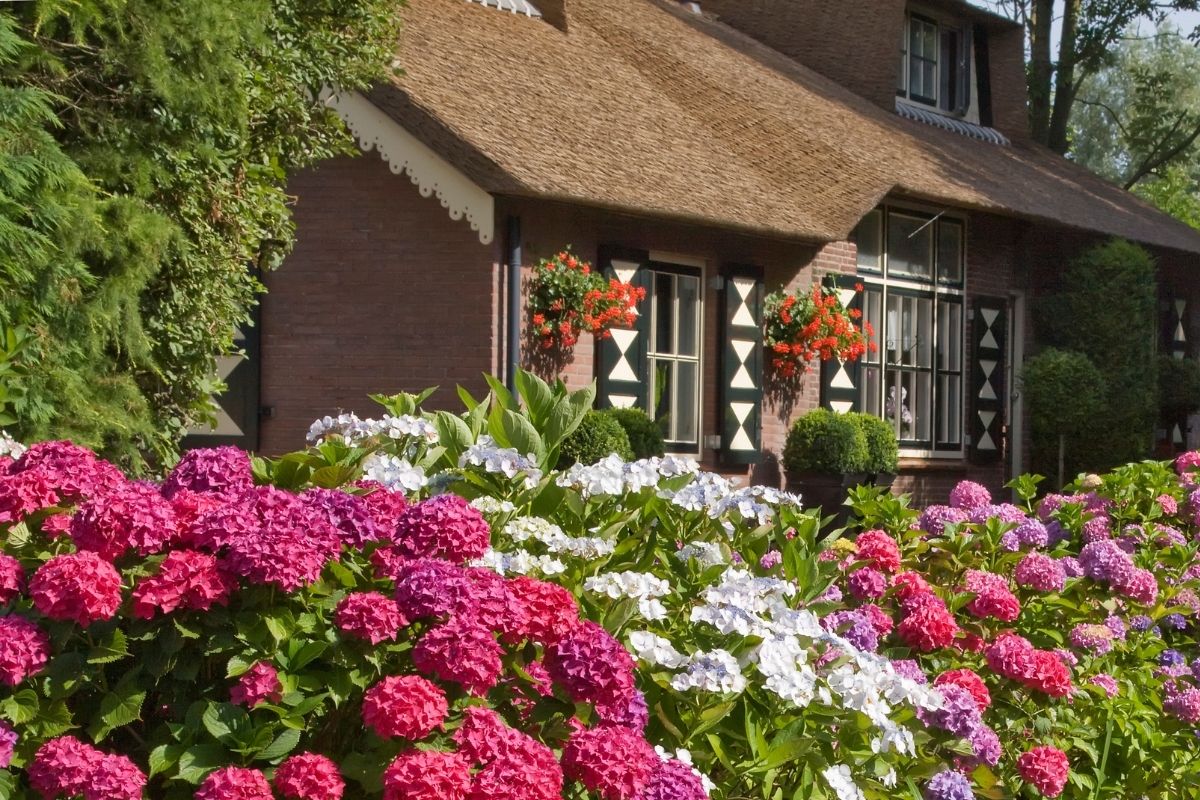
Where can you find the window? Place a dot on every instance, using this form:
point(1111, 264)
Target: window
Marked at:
point(913, 299)
point(935, 64)
point(674, 355)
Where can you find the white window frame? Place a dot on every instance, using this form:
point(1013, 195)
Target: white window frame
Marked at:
point(675, 264)
point(936, 291)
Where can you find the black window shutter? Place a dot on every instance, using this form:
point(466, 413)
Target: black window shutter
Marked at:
point(621, 358)
point(741, 364)
point(989, 331)
point(964, 71)
point(839, 379)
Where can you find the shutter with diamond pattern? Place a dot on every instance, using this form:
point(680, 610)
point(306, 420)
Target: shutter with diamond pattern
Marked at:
point(1175, 344)
point(621, 358)
point(839, 379)
point(741, 365)
point(988, 392)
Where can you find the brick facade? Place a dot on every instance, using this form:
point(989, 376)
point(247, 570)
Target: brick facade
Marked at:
point(383, 293)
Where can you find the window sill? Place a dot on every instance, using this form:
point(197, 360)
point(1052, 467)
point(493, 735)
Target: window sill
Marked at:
point(932, 464)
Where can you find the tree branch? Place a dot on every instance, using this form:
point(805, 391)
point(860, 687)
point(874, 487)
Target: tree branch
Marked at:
point(1152, 163)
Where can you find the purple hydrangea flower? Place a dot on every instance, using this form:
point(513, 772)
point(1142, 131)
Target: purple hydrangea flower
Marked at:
point(1176, 622)
point(1010, 542)
point(948, 785)
point(969, 495)
point(959, 714)
point(1071, 566)
point(1141, 623)
point(986, 745)
point(855, 626)
point(1033, 533)
point(934, 519)
point(770, 559)
point(1104, 561)
point(908, 668)
point(1171, 658)
point(1106, 682)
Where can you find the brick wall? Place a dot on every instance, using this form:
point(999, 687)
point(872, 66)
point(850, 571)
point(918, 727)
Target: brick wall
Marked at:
point(857, 46)
point(1010, 93)
point(383, 293)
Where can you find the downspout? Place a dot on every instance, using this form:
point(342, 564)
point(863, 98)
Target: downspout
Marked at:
point(513, 249)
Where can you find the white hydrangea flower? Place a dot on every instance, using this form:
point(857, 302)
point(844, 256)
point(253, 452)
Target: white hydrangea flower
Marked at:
point(353, 430)
point(839, 778)
point(492, 506)
point(394, 472)
point(588, 548)
point(716, 671)
point(523, 529)
point(10, 447)
point(641, 586)
point(504, 461)
point(782, 660)
point(519, 562)
point(655, 649)
point(707, 554)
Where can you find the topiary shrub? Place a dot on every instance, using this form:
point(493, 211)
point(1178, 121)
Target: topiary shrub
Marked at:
point(1066, 395)
point(645, 437)
point(827, 442)
point(883, 450)
point(1178, 386)
point(598, 435)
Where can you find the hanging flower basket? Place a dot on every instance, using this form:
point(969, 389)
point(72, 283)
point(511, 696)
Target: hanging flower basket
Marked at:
point(800, 327)
point(567, 298)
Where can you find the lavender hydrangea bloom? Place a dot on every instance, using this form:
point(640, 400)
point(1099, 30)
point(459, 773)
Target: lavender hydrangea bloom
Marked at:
point(1171, 658)
point(1141, 623)
point(1071, 566)
point(908, 668)
point(1104, 561)
point(1116, 625)
point(1096, 639)
point(959, 714)
point(986, 744)
point(948, 785)
point(1010, 542)
point(1033, 533)
point(855, 626)
point(934, 519)
point(1176, 622)
point(1056, 533)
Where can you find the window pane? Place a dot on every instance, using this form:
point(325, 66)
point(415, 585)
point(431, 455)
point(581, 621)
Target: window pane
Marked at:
point(869, 394)
point(685, 402)
point(949, 254)
point(664, 313)
point(689, 313)
point(949, 409)
point(950, 336)
point(891, 330)
point(872, 313)
point(948, 85)
point(920, 396)
point(660, 402)
point(867, 238)
point(910, 246)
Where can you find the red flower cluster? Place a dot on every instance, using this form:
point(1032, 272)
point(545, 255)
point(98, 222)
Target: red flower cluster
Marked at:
point(801, 327)
point(566, 298)
point(1013, 657)
point(308, 776)
point(879, 550)
point(992, 597)
point(1046, 768)
point(405, 706)
point(927, 625)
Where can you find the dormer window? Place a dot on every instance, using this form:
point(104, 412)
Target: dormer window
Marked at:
point(935, 64)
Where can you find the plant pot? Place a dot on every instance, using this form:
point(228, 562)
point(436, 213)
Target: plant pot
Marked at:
point(826, 492)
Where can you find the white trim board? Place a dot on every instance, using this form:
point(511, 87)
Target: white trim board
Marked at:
point(433, 175)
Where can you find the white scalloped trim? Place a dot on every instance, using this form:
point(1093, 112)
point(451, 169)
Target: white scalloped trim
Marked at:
point(432, 174)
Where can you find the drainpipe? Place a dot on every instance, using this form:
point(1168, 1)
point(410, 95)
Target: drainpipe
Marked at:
point(513, 249)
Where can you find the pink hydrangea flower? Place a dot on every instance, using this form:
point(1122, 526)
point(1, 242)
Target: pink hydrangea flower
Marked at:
point(1046, 768)
point(73, 472)
point(866, 584)
point(25, 493)
point(969, 680)
point(591, 665)
point(1106, 682)
point(24, 649)
point(612, 761)
point(12, 579)
point(494, 605)
point(1041, 572)
point(281, 556)
point(258, 684)
point(115, 777)
point(1139, 585)
point(308, 776)
point(427, 775)
point(370, 616)
point(992, 596)
point(461, 651)
point(878, 550)
point(128, 516)
point(969, 495)
point(429, 587)
point(345, 513)
point(928, 626)
point(514, 766)
point(552, 611)
point(674, 780)
point(214, 470)
point(79, 587)
point(405, 706)
point(234, 783)
point(8, 743)
point(384, 505)
point(186, 579)
point(63, 767)
point(445, 526)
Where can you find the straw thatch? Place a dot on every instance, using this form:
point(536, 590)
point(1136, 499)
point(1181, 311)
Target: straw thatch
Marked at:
point(642, 106)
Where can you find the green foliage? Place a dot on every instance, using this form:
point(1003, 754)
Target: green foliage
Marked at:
point(1066, 396)
point(1178, 386)
point(130, 238)
point(826, 442)
point(1106, 310)
point(645, 437)
point(883, 450)
point(598, 435)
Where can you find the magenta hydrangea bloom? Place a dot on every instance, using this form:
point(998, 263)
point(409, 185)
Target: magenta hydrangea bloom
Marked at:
point(551, 610)
point(345, 513)
point(77, 587)
point(1046, 768)
point(8, 743)
point(934, 519)
point(115, 777)
point(72, 471)
point(1097, 529)
point(12, 579)
point(24, 649)
point(591, 665)
point(1106, 682)
point(867, 584)
point(234, 783)
point(258, 684)
point(1183, 705)
point(445, 526)
point(370, 616)
point(1040, 572)
point(1095, 639)
point(308, 776)
point(404, 706)
point(431, 588)
point(461, 651)
point(514, 766)
point(285, 557)
point(674, 780)
point(130, 516)
point(614, 762)
point(186, 579)
point(1140, 586)
point(25, 493)
point(969, 495)
point(992, 596)
point(427, 775)
point(216, 469)
point(62, 767)
point(494, 605)
point(384, 505)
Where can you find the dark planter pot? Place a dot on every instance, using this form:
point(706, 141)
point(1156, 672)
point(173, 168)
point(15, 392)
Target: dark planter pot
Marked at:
point(825, 491)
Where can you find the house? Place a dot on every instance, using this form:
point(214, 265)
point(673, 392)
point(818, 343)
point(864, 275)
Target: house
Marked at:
point(711, 152)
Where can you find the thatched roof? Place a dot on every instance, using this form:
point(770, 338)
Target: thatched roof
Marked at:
point(642, 106)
